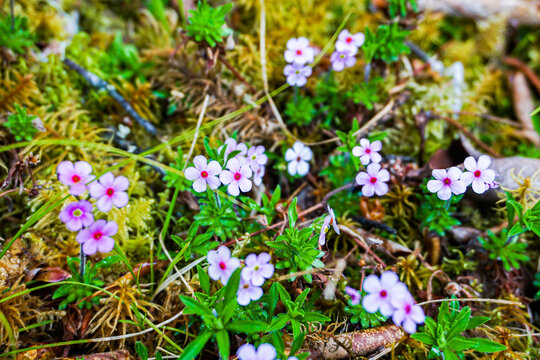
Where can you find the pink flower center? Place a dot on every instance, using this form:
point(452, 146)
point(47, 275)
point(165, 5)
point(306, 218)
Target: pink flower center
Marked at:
point(383, 293)
point(373, 180)
point(408, 308)
point(368, 151)
point(76, 212)
point(477, 173)
point(298, 52)
point(75, 178)
point(237, 176)
point(447, 181)
point(97, 235)
point(109, 192)
point(222, 265)
point(204, 174)
point(349, 39)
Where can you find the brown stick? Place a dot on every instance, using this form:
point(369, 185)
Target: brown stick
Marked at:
point(360, 241)
point(525, 69)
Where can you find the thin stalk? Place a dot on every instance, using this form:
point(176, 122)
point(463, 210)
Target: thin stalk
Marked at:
point(82, 264)
point(12, 11)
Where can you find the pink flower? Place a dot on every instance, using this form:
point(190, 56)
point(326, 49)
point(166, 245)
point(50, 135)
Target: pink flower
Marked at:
point(379, 293)
point(406, 312)
point(298, 51)
point(203, 174)
point(264, 352)
point(110, 191)
point(98, 237)
point(343, 59)
point(75, 176)
point(354, 294)
point(478, 173)
point(258, 268)
point(298, 157)
point(446, 184)
point(230, 146)
point(368, 151)
point(297, 74)
point(258, 176)
point(348, 41)
point(237, 177)
point(248, 292)
point(222, 265)
point(256, 157)
point(374, 180)
point(77, 215)
point(330, 219)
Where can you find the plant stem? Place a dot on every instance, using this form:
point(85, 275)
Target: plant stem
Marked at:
point(367, 72)
point(12, 11)
point(447, 205)
point(82, 264)
point(217, 199)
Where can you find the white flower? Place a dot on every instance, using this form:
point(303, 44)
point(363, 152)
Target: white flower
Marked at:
point(248, 292)
point(237, 177)
point(222, 265)
point(478, 174)
point(203, 174)
point(256, 157)
point(298, 157)
point(258, 176)
point(446, 183)
point(368, 151)
point(374, 180)
point(230, 146)
point(264, 352)
point(258, 268)
point(348, 41)
point(298, 51)
point(297, 74)
point(406, 312)
point(330, 219)
point(343, 59)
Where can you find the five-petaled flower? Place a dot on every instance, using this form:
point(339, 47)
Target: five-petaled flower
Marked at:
point(298, 157)
point(236, 177)
point(348, 41)
point(77, 215)
point(98, 237)
point(478, 173)
point(263, 352)
point(110, 191)
point(329, 219)
point(298, 51)
point(380, 292)
point(256, 157)
point(222, 265)
point(76, 176)
point(446, 183)
point(297, 74)
point(406, 312)
point(368, 151)
point(248, 292)
point(230, 146)
point(204, 174)
point(343, 59)
point(258, 176)
point(374, 180)
point(258, 268)
point(354, 294)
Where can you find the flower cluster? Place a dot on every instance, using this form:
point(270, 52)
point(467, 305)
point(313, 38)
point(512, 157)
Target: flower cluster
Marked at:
point(454, 181)
point(256, 270)
point(265, 351)
point(391, 298)
point(373, 180)
point(346, 48)
point(298, 157)
point(240, 168)
point(108, 191)
point(298, 55)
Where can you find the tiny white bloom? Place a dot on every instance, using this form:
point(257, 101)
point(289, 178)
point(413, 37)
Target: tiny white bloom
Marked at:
point(368, 151)
point(298, 157)
point(446, 183)
point(374, 180)
point(236, 177)
point(298, 51)
point(478, 173)
point(203, 174)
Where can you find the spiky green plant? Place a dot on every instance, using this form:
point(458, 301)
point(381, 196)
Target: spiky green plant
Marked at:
point(208, 24)
point(20, 124)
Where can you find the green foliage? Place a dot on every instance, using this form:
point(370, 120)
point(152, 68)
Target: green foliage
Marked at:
point(123, 59)
point(20, 124)
point(218, 215)
point(435, 213)
point(365, 93)
point(394, 5)
point(268, 208)
point(279, 345)
point(386, 44)
point(217, 314)
point(528, 220)
point(296, 313)
point(208, 24)
point(195, 244)
point(330, 99)
point(297, 249)
point(444, 336)
point(537, 284)
point(17, 39)
point(75, 292)
point(174, 180)
point(301, 111)
point(506, 248)
point(535, 117)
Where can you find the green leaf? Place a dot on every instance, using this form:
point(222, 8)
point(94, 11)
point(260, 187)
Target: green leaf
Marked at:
point(449, 355)
point(232, 287)
point(315, 316)
point(196, 346)
point(425, 338)
point(204, 280)
point(297, 343)
point(477, 321)
point(141, 350)
point(460, 343)
point(460, 323)
point(195, 307)
point(301, 298)
point(247, 326)
point(488, 346)
point(223, 343)
point(279, 323)
point(293, 215)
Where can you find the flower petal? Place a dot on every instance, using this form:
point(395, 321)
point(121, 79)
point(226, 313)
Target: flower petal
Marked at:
point(105, 244)
point(83, 168)
point(470, 164)
point(439, 174)
point(199, 185)
point(190, 173)
point(483, 162)
point(233, 189)
point(213, 168)
point(89, 247)
point(226, 177)
point(444, 193)
point(120, 199)
point(121, 183)
point(292, 167)
point(302, 168)
point(290, 155)
point(104, 204)
point(434, 185)
point(200, 162)
point(370, 303)
point(372, 284)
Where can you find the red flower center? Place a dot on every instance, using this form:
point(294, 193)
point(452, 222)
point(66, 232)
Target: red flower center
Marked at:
point(204, 174)
point(97, 235)
point(237, 176)
point(477, 173)
point(109, 192)
point(447, 181)
point(298, 52)
point(373, 180)
point(383, 293)
point(75, 178)
point(407, 308)
point(368, 151)
point(349, 39)
point(298, 158)
point(246, 286)
point(222, 265)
